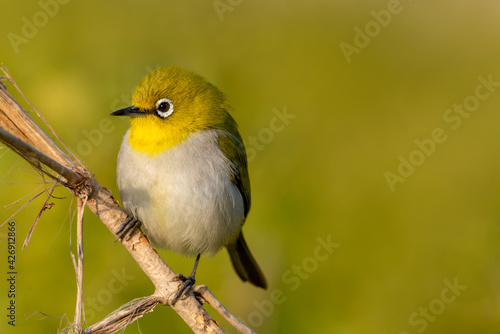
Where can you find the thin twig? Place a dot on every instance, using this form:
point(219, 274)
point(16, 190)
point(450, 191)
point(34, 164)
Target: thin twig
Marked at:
point(22, 207)
point(6, 206)
point(35, 223)
point(78, 265)
point(47, 316)
point(209, 297)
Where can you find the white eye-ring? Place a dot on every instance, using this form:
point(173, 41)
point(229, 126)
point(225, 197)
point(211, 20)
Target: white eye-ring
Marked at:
point(164, 108)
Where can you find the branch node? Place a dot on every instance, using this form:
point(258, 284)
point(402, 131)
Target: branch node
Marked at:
point(86, 187)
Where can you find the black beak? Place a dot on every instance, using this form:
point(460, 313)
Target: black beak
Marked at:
point(129, 111)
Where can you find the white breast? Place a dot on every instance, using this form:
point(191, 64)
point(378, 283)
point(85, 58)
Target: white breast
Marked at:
point(184, 196)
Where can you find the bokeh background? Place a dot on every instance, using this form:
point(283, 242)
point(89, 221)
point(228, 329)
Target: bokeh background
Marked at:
point(356, 84)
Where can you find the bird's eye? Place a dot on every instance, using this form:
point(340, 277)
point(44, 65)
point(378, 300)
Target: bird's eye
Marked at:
point(164, 108)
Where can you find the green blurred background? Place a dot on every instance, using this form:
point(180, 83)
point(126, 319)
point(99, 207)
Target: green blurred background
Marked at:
point(319, 177)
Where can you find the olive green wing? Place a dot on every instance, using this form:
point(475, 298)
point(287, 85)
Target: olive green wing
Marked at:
point(232, 146)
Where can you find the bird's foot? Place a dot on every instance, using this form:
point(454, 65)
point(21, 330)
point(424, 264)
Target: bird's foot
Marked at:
point(187, 284)
point(126, 228)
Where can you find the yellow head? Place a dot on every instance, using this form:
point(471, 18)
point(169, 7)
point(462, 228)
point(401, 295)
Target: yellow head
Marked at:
point(169, 104)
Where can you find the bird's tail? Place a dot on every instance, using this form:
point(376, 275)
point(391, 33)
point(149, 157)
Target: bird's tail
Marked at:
point(245, 265)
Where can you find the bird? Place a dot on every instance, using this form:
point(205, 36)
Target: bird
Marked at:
point(182, 171)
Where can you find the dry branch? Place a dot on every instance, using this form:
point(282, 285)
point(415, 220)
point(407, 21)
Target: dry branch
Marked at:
point(25, 137)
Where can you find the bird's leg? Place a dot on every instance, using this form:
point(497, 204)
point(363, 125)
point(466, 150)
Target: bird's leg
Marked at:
point(188, 282)
point(126, 228)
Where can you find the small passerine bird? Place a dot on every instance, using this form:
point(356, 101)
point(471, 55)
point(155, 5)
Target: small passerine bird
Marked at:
point(182, 171)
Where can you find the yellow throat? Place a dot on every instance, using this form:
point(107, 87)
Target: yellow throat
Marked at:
point(152, 135)
point(196, 104)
